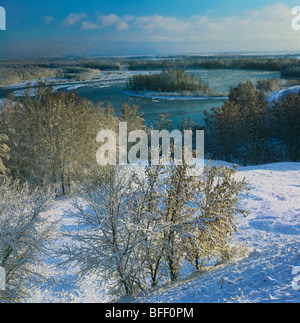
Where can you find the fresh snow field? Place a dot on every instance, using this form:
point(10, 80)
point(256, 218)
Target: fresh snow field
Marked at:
point(271, 234)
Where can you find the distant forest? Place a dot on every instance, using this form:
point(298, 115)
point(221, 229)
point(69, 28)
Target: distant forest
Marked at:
point(289, 67)
point(22, 70)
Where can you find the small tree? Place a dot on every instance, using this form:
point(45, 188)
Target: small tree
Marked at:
point(214, 204)
point(163, 123)
point(109, 238)
point(151, 196)
point(24, 234)
point(4, 155)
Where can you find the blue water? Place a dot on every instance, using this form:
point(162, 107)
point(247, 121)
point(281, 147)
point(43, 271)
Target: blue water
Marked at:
point(219, 80)
point(177, 109)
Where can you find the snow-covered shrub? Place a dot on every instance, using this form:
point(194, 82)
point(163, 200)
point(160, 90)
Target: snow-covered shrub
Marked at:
point(109, 233)
point(24, 233)
point(4, 150)
point(215, 198)
point(139, 226)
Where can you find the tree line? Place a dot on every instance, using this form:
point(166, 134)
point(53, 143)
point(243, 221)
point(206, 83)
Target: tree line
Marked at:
point(250, 130)
point(288, 66)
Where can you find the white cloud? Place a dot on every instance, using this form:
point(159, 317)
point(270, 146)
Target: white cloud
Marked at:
point(160, 22)
point(121, 23)
point(48, 19)
point(110, 20)
point(73, 19)
point(268, 28)
point(88, 25)
point(122, 26)
point(270, 24)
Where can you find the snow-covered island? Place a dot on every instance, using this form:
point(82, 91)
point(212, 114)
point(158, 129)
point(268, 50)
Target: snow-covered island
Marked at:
point(170, 85)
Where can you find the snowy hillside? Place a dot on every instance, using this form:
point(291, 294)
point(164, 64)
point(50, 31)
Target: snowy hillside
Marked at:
point(277, 95)
point(271, 232)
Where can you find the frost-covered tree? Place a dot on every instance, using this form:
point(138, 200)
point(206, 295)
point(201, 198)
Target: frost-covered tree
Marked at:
point(4, 155)
point(214, 208)
point(268, 85)
point(109, 236)
point(238, 131)
point(195, 216)
point(133, 117)
point(140, 225)
point(186, 124)
point(52, 137)
point(287, 124)
point(162, 122)
point(24, 235)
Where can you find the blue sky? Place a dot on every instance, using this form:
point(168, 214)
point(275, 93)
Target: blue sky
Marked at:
point(128, 27)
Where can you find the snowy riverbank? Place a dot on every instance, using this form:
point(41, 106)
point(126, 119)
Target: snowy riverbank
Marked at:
point(277, 95)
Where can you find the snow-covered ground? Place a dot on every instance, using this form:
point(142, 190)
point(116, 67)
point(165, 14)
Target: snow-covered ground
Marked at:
point(277, 95)
point(271, 233)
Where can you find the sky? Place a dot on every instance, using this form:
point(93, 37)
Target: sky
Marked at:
point(130, 27)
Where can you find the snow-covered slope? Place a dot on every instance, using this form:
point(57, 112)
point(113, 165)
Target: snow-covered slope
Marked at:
point(271, 232)
point(265, 276)
point(277, 95)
